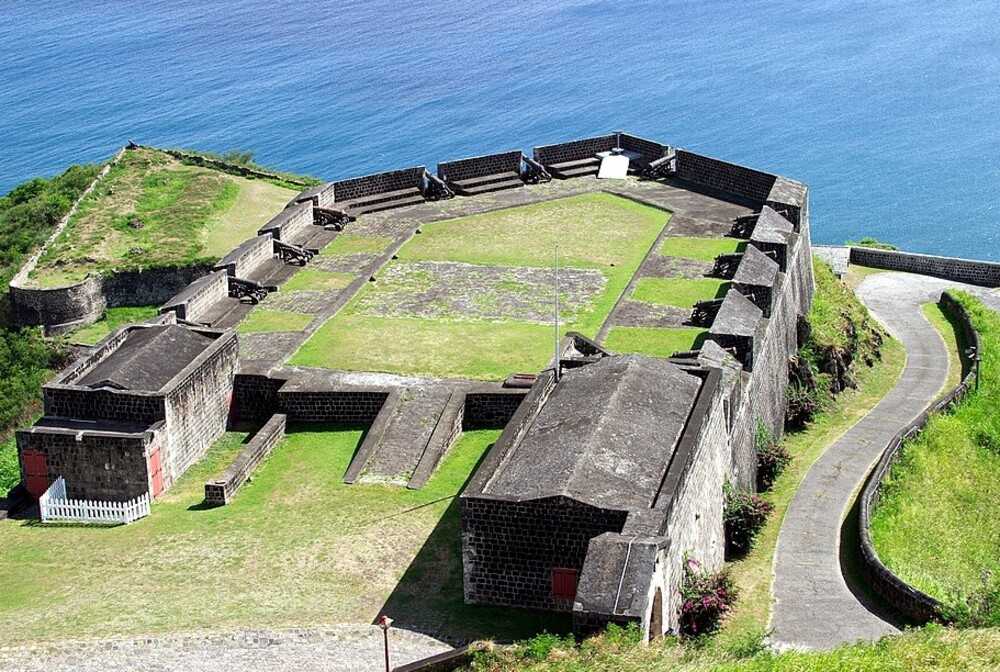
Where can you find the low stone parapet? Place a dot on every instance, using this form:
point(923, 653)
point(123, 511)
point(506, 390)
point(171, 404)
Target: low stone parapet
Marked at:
point(974, 272)
point(220, 491)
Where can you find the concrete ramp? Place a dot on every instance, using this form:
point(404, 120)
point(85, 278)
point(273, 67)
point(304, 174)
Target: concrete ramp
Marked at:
point(414, 429)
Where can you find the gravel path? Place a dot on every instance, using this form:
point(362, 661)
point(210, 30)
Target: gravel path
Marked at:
point(814, 607)
point(351, 648)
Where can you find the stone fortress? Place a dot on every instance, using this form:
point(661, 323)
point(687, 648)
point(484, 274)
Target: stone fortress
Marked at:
point(610, 468)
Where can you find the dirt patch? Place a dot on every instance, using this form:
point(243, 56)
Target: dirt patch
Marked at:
point(658, 266)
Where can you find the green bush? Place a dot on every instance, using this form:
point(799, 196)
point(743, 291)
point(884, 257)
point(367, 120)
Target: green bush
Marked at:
point(868, 241)
point(772, 457)
point(744, 514)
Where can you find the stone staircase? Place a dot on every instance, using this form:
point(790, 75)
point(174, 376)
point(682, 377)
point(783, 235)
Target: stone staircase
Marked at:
point(383, 201)
point(487, 183)
point(576, 168)
point(414, 429)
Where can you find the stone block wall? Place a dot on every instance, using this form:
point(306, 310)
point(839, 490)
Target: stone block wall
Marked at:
point(491, 409)
point(650, 150)
point(106, 466)
point(723, 176)
point(220, 491)
point(347, 407)
point(480, 166)
point(575, 149)
point(81, 403)
point(378, 183)
point(196, 406)
point(255, 396)
point(249, 256)
point(291, 223)
point(194, 302)
point(982, 273)
point(58, 308)
point(149, 287)
point(510, 548)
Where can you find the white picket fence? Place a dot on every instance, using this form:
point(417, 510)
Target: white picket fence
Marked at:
point(55, 506)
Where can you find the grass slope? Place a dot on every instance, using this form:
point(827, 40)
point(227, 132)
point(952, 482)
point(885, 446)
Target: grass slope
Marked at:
point(113, 319)
point(151, 210)
point(296, 547)
point(937, 524)
point(594, 231)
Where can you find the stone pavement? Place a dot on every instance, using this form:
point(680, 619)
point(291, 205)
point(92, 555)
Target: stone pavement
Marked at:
point(349, 648)
point(814, 607)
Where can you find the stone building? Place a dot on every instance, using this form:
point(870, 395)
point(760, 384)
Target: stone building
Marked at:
point(588, 502)
point(133, 414)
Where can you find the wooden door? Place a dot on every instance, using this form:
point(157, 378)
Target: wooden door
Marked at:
point(36, 472)
point(155, 470)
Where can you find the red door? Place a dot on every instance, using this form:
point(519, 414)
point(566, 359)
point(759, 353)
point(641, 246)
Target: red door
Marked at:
point(155, 470)
point(563, 583)
point(36, 472)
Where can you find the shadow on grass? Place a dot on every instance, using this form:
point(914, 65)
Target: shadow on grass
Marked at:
point(429, 598)
point(853, 569)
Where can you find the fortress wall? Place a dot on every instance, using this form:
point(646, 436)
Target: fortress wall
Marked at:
point(103, 404)
point(377, 183)
point(220, 491)
point(479, 166)
point(246, 258)
point(574, 149)
point(346, 407)
point(290, 222)
point(983, 273)
point(149, 287)
point(199, 296)
point(61, 308)
point(727, 177)
point(763, 393)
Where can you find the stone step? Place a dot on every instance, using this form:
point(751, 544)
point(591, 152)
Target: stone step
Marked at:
point(386, 205)
point(485, 179)
point(364, 201)
point(575, 172)
point(489, 187)
point(418, 431)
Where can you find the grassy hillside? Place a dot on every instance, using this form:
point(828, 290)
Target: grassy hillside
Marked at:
point(28, 215)
point(152, 210)
point(938, 522)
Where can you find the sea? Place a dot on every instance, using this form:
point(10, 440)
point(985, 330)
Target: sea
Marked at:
point(889, 110)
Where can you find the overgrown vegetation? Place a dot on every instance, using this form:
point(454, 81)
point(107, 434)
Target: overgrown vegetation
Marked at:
point(937, 524)
point(743, 516)
point(245, 158)
point(869, 241)
point(706, 597)
point(837, 333)
point(28, 214)
point(772, 457)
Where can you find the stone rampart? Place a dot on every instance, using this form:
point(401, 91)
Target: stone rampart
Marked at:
point(649, 149)
point(230, 167)
point(289, 224)
point(248, 256)
point(730, 178)
point(480, 166)
point(195, 300)
point(220, 491)
point(982, 273)
point(574, 150)
point(908, 601)
point(490, 408)
point(378, 183)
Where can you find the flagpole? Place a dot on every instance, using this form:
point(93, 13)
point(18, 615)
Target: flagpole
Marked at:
point(555, 334)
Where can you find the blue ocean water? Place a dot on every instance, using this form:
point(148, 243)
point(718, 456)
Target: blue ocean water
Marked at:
point(889, 110)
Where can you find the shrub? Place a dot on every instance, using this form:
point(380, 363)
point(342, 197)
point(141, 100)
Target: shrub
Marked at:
point(772, 457)
point(541, 645)
point(869, 241)
point(744, 514)
point(705, 599)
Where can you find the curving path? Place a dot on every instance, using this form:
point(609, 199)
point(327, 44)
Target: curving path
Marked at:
point(814, 607)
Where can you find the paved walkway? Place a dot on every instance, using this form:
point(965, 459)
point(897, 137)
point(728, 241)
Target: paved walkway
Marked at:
point(348, 648)
point(814, 607)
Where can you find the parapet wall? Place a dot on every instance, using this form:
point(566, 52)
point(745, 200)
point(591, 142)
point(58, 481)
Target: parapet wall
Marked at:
point(290, 222)
point(220, 491)
point(982, 273)
point(248, 256)
point(913, 604)
point(479, 166)
point(378, 183)
point(724, 176)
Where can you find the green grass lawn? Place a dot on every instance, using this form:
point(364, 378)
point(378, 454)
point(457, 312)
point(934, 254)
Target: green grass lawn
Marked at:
point(702, 249)
point(594, 231)
point(352, 243)
point(937, 524)
point(264, 320)
point(654, 341)
point(150, 211)
point(313, 279)
point(113, 319)
point(679, 292)
point(296, 547)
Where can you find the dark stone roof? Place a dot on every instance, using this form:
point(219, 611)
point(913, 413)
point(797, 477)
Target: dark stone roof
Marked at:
point(772, 227)
point(148, 358)
point(738, 316)
point(756, 268)
point(615, 576)
point(604, 437)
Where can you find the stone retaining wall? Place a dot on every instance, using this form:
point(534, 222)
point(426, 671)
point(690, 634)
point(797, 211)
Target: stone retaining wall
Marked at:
point(346, 407)
point(220, 491)
point(908, 601)
point(971, 271)
point(491, 409)
point(229, 167)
